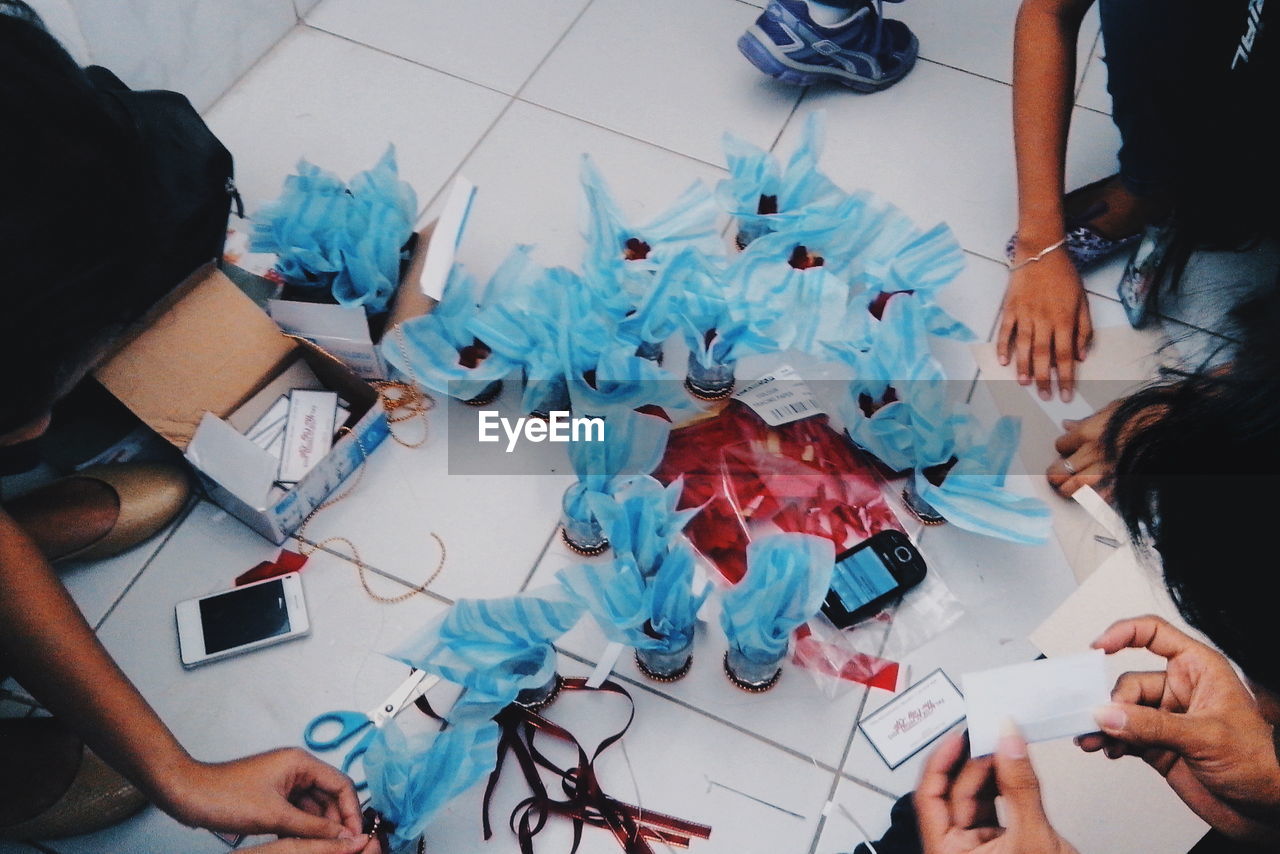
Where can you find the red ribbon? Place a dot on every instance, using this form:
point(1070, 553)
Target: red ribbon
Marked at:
point(585, 803)
point(286, 563)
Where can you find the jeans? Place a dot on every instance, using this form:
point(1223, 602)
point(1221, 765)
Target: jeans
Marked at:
point(1148, 45)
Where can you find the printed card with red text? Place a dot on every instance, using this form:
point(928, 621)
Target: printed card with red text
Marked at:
point(908, 723)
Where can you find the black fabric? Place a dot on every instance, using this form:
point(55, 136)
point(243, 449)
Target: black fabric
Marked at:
point(187, 187)
point(902, 837)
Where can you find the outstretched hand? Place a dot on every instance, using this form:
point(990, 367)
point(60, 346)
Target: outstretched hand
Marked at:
point(1197, 724)
point(955, 802)
point(286, 792)
point(1045, 324)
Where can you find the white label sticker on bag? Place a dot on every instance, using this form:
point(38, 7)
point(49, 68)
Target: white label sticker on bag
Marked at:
point(780, 397)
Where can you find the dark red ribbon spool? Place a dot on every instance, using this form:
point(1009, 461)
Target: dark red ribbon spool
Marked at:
point(585, 803)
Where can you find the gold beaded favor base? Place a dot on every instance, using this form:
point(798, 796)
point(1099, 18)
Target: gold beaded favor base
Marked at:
point(702, 394)
point(749, 687)
point(548, 700)
point(674, 677)
point(486, 399)
point(577, 549)
point(925, 518)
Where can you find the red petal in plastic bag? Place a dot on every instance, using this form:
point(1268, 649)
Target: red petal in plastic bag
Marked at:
point(801, 476)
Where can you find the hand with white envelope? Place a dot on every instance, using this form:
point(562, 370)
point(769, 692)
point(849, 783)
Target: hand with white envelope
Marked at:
point(956, 802)
point(1198, 725)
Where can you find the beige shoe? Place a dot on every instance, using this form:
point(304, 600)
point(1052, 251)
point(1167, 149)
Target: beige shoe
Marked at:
point(148, 495)
point(95, 798)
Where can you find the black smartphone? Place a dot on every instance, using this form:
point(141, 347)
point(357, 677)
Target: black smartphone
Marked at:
point(871, 575)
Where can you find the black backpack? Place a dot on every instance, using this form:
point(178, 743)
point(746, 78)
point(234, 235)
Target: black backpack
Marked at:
point(188, 188)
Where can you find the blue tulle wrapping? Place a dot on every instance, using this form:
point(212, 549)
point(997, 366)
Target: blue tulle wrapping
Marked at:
point(625, 381)
point(494, 648)
point(344, 237)
point(426, 348)
point(918, 428)
point(788, 576)
point(520, 321)
point(690, 222)
point(754, 172)
point(974, 497)
point(412, 779)
point(623, 601)
point(640, 519)
point(633, 445)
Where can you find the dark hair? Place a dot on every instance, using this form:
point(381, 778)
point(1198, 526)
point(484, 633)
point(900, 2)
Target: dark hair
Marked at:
point(1197, 477)
point(67, 211)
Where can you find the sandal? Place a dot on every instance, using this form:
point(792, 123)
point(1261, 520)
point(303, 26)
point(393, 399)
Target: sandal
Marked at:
point(1085, 246)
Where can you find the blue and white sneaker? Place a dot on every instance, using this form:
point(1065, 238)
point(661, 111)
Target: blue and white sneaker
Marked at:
point(864, 52)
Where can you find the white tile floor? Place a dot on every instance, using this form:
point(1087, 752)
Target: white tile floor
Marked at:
point(511, 94)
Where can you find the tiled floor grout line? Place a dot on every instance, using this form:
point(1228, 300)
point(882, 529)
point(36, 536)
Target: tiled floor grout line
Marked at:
point(1088, 63)
point(392, 54)
point(173, 529)
point(967, 71)
point(685, 704)
point(252, 67)
point(513, 98)
point(649, 143)
point(538, 560)
point(791, 115)
point(848, 747)
point(439, 597)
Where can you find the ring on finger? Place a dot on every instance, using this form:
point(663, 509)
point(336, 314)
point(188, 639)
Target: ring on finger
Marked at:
point(1066, 464)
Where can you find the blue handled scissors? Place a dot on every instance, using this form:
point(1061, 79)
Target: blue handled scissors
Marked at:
point(351, 724)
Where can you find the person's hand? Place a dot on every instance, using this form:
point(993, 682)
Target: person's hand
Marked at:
point(1081, 458)
point(955, 802)
point(286, 792)
point(1197, 725)
point(1044, 323)
point(358, 845)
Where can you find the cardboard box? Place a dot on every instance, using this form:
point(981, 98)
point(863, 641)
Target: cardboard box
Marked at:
point(204, 365)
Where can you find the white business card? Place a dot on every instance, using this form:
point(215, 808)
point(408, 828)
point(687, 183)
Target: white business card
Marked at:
point(308, 433)
point(908, 723)
point(1048, 698)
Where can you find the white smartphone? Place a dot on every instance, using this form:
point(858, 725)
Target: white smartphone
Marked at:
point(241, 620)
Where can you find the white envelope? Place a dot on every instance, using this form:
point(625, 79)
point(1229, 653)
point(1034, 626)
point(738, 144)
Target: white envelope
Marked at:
point(1047, 699)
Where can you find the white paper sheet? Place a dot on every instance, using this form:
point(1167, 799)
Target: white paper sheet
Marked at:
point(1047, 699)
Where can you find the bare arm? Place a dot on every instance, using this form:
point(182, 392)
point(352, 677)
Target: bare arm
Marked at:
point(48, 647)
point(54, 654)
point(1044, 73)
point(1045, 319)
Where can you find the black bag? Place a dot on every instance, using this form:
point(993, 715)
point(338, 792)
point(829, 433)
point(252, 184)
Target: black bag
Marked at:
point(188, 189)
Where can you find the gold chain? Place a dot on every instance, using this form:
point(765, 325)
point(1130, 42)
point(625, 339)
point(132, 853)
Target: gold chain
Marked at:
point(404, 401)
point(361, 567)
point(394, 396)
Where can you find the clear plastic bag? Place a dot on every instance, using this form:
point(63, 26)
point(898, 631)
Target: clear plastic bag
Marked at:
point(870, 652)
point(746, 476)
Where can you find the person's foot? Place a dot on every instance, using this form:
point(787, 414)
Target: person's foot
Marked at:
point(1112, 210)
point(102, 510)
point(864, 51)
point(1101, 218)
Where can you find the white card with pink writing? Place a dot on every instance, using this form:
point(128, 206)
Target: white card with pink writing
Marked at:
point(908, 723)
